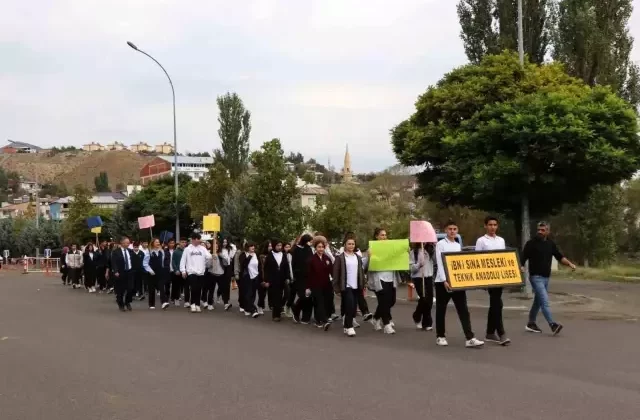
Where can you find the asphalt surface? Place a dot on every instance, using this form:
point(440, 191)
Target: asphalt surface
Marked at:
point(68, 355)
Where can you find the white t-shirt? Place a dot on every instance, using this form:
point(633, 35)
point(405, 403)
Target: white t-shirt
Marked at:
point(490, 243)
point(253, 266)
point(444, 245)
point(351, 263)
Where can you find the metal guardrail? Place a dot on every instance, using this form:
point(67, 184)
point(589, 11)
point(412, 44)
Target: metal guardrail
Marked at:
point(48, 266)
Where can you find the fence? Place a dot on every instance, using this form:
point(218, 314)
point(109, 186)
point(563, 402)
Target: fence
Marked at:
point(48, 266)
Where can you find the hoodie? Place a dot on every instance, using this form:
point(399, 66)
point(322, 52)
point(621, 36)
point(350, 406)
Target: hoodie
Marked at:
point(195, 260)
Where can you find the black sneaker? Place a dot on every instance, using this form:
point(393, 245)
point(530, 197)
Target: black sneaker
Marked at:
point(492, 338)
point(129, 308)
point(532, 327)
point(555, 328)
point(326, 326)
point(367, 317)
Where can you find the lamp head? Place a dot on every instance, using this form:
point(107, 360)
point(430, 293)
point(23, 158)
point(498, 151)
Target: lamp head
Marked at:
point(132, 45)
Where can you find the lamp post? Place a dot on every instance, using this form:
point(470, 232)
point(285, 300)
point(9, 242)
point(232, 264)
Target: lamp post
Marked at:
point(175, 139)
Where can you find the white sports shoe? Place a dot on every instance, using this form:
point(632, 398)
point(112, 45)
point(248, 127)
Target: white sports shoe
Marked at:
point(441, 341)
point(350, 332)
point(152, 307)
point(186, 304)
point(210, 307)
point(193, 308)
point(165, 305)
point(473, 343)
point(377, 324)
point(198, 309)
point(260, 311)
point(388, 329)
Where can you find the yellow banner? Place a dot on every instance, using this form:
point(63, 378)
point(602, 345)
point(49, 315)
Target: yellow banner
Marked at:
point(211, 223)
point(480, 269)
point(96, 229)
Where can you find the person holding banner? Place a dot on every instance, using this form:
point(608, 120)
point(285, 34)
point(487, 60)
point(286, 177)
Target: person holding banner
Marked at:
point(154, 264)
point(193, 264)
point(384, 284)
point(444, 293)
point(348, 281)
point(421, 269)
point(495, 325)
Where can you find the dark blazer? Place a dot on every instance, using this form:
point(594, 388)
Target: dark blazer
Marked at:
point(117, 260)
point(299, 261)
point(339, 277)
point(91, 265)
point(243, 260)
point(319, 272)
point(136, 262)
point(274, 273)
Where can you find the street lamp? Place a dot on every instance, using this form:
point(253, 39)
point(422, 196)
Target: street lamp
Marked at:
point(175, 139)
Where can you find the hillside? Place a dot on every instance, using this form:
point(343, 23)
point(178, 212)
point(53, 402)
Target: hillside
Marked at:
point(78, 167)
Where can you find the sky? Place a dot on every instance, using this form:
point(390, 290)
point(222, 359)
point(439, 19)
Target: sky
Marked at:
point(317, 74)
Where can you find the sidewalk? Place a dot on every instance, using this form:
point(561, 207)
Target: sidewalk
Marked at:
point(589, 299)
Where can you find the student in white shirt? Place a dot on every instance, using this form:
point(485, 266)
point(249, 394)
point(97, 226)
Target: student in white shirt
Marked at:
point(491, 242)
point(444, 293)
point(193, 265)
point(249, 280)
point(348, 281)
point(421, 268)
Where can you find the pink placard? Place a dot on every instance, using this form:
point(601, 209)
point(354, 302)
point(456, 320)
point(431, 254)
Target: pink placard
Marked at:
point(421, 231)
point(146, 222)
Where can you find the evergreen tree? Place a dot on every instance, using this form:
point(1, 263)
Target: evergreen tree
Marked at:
point(234, 131)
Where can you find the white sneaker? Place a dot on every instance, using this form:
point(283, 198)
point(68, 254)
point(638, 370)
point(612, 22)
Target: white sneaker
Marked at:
point(247, 313)
point(388, 329)
point(418, 325)
point(210, 307)
point(152, 307)
point(203, 303)
point(474, 342)
point(260, 311)
point(441, 341)
point(186, 305)
point(392, 324)
point(241, 310)
point(351, 332)
point(177, 303)
point(220, 299)
point(255, 314)
point(377, 324)
point(288, 313)
point(227, 306)
point(165, 305)
point(198, 309)
point(355, 324)
point(193, 308)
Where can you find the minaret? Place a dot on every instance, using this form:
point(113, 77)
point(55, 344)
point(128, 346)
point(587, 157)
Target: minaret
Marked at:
point(347, 175)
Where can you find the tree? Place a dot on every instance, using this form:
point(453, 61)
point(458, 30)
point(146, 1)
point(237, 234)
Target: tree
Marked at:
point(234, 131)
point(102, 182)
point(309, 177)
point(490, 26)
point(592, 39)
point(207, 195)
point(274, 198)
point(118, 226)
point(235, 210)
point(503, 138)
point(74, 227)
point(200, 154)
point(295, 158)
point(54, 190)
point(158, 198)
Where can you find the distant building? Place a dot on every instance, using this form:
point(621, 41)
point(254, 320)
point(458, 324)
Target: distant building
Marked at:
point(116, 145)
point(141, 147)
point(309, 194)
point(93, 147)
point(347, 173)
point(21, 209)
point(107, 200)
point(161, 166)
point(164, 148)
point(130, 189)
point(19, 147)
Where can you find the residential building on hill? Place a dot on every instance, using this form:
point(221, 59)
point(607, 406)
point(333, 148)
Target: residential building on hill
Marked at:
point(19, 147)
point(164, 148)
point(309, 194)
point(21, 209)
point(108, 200)
point(141, 147)
point(93, 147)
point(161, 166)
point(116, 145)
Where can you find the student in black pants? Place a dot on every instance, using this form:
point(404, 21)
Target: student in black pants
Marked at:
point(348, 281)
point(318, 280)
point(444, 293)
point(90, 265)
point(262, 289)
point(138, 270)
point(421, 267)
point(155, 265)
point(249, 280)
point(101, 266)
point(193, 265)
point(276, 275)
point(121, 265)
point(301, 255)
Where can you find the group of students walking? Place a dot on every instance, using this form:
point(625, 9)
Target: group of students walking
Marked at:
point(300, 280)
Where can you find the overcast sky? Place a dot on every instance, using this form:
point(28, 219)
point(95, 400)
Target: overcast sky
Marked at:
point(317, 74)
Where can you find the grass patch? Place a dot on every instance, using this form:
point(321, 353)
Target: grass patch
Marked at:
point(620, 273)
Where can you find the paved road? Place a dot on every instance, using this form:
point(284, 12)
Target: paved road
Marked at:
point(66, 355)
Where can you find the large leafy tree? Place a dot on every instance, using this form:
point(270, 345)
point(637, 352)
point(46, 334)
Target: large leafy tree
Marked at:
point(207, 195)
point(592, 39)
point(276, 210)
point(158, 198)
point(74, 228)
point(234, 132)
point(490, 26)
point(235, 210)
point(499, 137)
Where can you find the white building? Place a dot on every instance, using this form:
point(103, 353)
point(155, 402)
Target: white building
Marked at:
point(194, 166)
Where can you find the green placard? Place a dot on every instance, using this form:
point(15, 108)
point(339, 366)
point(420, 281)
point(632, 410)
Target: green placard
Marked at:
point(389, 255)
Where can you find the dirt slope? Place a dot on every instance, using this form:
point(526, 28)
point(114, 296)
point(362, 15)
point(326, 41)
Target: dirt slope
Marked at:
point(74, 168)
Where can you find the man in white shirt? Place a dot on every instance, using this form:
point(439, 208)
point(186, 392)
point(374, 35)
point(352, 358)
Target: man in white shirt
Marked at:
point(444, 293)
point(491, 242)
point(193, 264)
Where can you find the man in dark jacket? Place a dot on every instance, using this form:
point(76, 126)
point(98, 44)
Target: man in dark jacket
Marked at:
point(300, 257)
